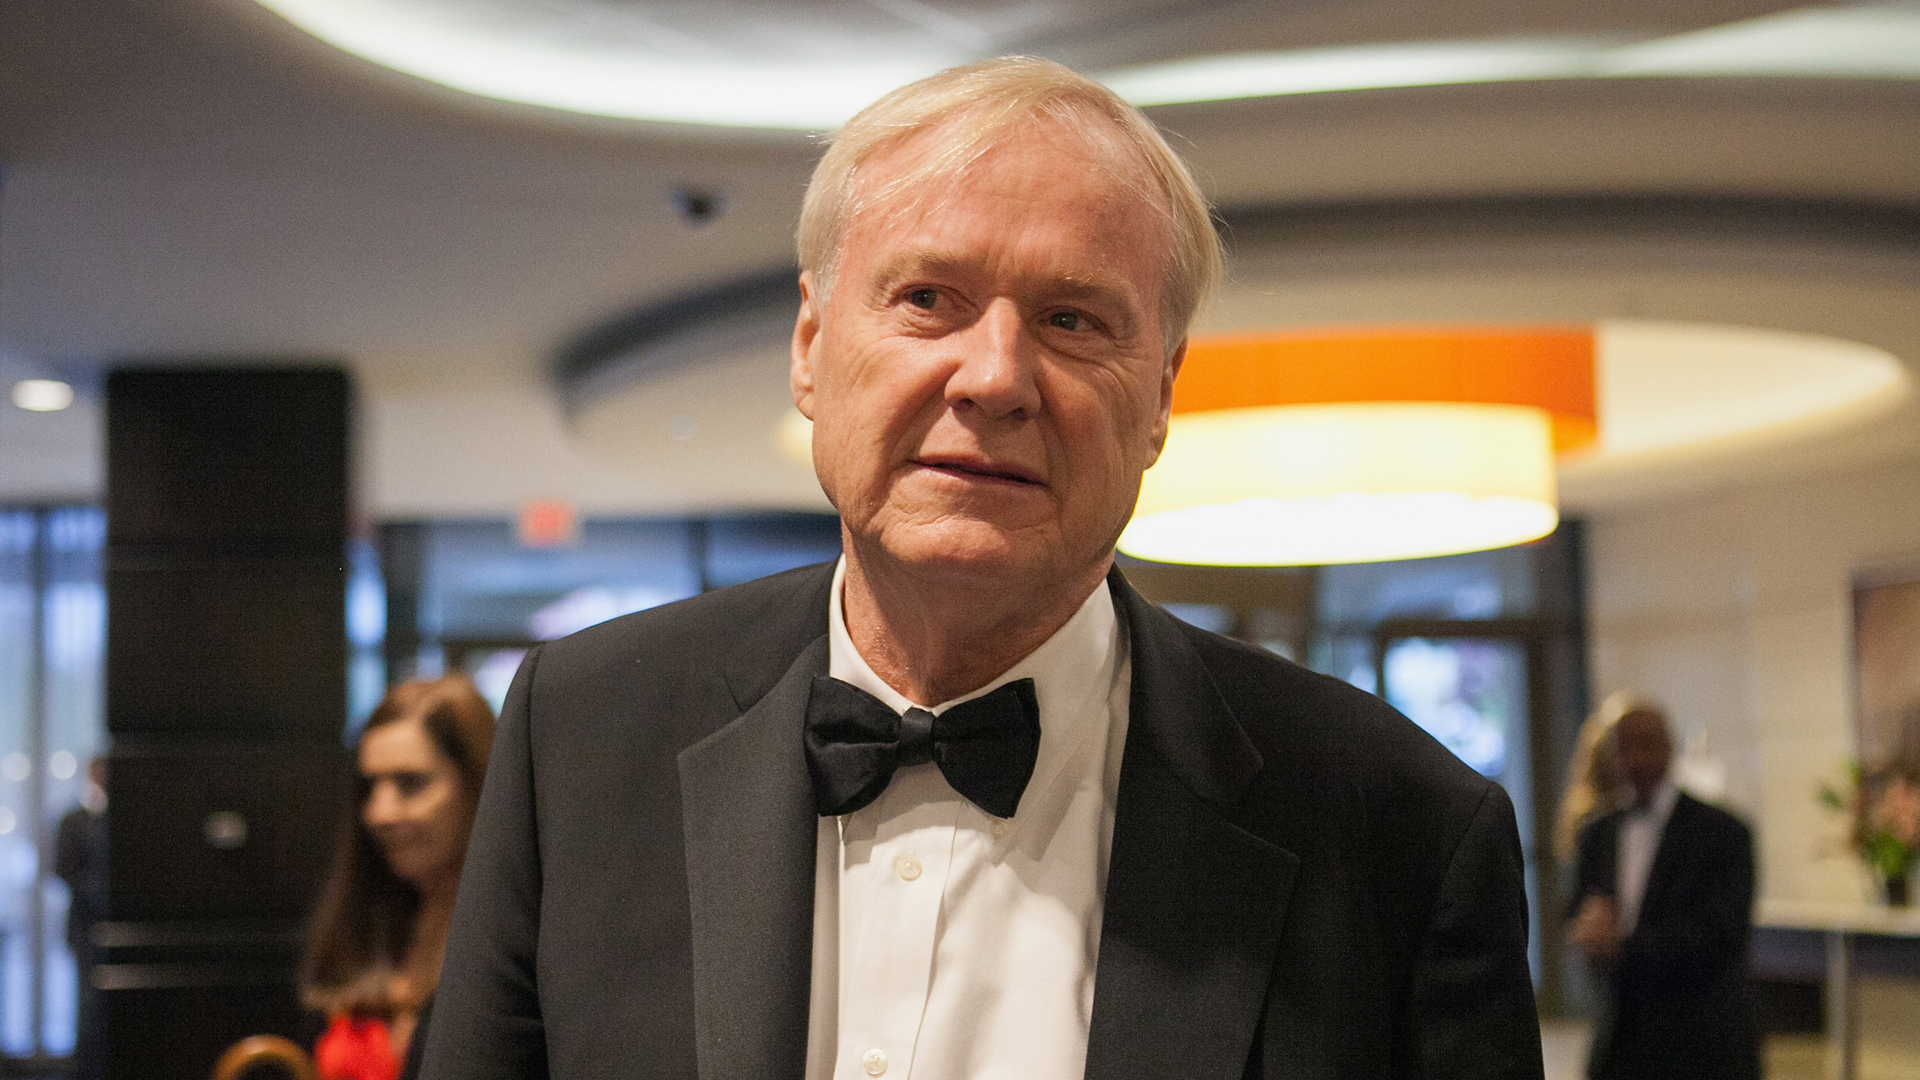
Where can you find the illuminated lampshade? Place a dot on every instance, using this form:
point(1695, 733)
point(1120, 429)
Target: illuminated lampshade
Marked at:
point(1362, 445)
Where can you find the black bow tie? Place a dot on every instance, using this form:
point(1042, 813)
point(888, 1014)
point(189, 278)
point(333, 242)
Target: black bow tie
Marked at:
point(984, 747)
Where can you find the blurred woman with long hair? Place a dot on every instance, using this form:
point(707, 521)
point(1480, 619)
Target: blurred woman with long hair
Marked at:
point(380, 932)
point(1594, 783)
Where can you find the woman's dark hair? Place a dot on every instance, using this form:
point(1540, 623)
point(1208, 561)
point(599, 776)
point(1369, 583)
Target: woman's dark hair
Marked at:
point(364, 921)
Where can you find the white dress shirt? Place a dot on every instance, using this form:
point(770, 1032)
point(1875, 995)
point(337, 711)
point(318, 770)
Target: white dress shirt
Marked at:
point(1640, 830)
point(948, 943)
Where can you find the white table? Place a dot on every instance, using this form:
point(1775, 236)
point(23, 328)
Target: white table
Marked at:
point(1841, 923)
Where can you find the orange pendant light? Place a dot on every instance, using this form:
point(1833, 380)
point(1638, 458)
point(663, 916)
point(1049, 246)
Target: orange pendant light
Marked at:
point(1359, 445)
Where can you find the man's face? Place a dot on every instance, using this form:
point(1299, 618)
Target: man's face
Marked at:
point(989, 378)
point(1646, 750)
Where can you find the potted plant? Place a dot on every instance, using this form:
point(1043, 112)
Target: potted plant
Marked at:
point(1883, 808)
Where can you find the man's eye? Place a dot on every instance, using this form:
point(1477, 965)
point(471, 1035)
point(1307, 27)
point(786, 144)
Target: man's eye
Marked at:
point(924, 298)
point(410, 783)
point(1067, 320)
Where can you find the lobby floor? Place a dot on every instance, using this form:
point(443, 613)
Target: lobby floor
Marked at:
point(1889, 1040)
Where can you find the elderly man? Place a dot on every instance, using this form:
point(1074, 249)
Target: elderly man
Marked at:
point(1664, 911)
point(962, 804)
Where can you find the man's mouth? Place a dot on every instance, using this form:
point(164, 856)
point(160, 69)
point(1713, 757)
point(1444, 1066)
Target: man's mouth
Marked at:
point(980, 470)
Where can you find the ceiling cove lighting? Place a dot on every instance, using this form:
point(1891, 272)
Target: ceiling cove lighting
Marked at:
point(1838, 43)
point(1671, 387)
point(535, 53)
point(1338, 446)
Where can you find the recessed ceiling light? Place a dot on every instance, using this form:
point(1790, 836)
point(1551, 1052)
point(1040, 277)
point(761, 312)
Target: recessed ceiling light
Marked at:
point(42, 395)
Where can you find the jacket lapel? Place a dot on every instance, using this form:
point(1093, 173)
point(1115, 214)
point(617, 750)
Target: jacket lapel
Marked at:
point(1194, 903)
point(1668, 856)
point(747, 810)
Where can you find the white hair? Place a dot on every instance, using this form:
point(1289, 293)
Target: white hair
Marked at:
point(972, 109)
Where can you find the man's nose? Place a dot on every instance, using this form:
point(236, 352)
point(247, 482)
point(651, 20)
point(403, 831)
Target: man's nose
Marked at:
point(996, 372)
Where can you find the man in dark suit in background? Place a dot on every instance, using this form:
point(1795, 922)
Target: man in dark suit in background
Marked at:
point(1664, 910)
point(963, 805)
point(80, 860)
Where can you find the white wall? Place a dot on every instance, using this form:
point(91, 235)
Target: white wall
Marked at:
point(1735, 610)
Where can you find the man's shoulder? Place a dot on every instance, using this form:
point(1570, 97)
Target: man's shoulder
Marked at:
point(1344, 778)
point(1327, 724)
point(755, 626)
point(735, 610)
point(1705, 817)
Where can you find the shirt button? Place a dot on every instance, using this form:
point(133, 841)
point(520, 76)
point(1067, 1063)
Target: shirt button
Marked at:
point(908, 868)
point(874, 1061)
point(999, 828)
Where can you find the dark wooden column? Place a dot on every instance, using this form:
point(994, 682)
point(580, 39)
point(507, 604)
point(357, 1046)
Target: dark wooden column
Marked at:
point(226, 695)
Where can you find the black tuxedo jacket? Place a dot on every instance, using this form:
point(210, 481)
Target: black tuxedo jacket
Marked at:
point(1302, 883)
point(1676, 1003)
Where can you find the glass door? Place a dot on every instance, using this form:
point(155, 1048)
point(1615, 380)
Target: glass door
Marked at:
point(52, 634)
point(1473, 691)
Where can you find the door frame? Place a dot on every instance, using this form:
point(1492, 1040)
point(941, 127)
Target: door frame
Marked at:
point(1535, 637)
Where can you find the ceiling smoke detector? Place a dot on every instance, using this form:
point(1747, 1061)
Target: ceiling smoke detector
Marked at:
point(699, 206)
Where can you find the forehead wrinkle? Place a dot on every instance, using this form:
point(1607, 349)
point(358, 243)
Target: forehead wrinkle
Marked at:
point(925, 260)
point(906, 178)
point(1096, 286)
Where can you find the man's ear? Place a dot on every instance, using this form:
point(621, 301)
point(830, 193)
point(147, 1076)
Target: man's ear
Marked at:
point(806, 338)
point(1167, 375)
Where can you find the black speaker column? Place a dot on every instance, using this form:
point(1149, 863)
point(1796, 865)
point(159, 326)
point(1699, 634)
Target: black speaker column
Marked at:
point(226, 694)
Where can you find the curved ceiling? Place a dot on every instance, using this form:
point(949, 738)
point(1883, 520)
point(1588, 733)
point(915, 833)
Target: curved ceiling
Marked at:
point(810, 66)
point(200, 178)
point(755, 311)
point(1669, 387)
point(1729, 356)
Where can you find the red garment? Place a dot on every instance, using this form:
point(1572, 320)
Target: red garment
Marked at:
point(356, 1048)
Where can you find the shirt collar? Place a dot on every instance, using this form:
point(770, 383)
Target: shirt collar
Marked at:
point(1073, 665)
point(1660, 806)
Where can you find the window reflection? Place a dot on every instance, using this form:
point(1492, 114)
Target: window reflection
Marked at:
point(1465, 693)
point(466, 595)
point(52, 636)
